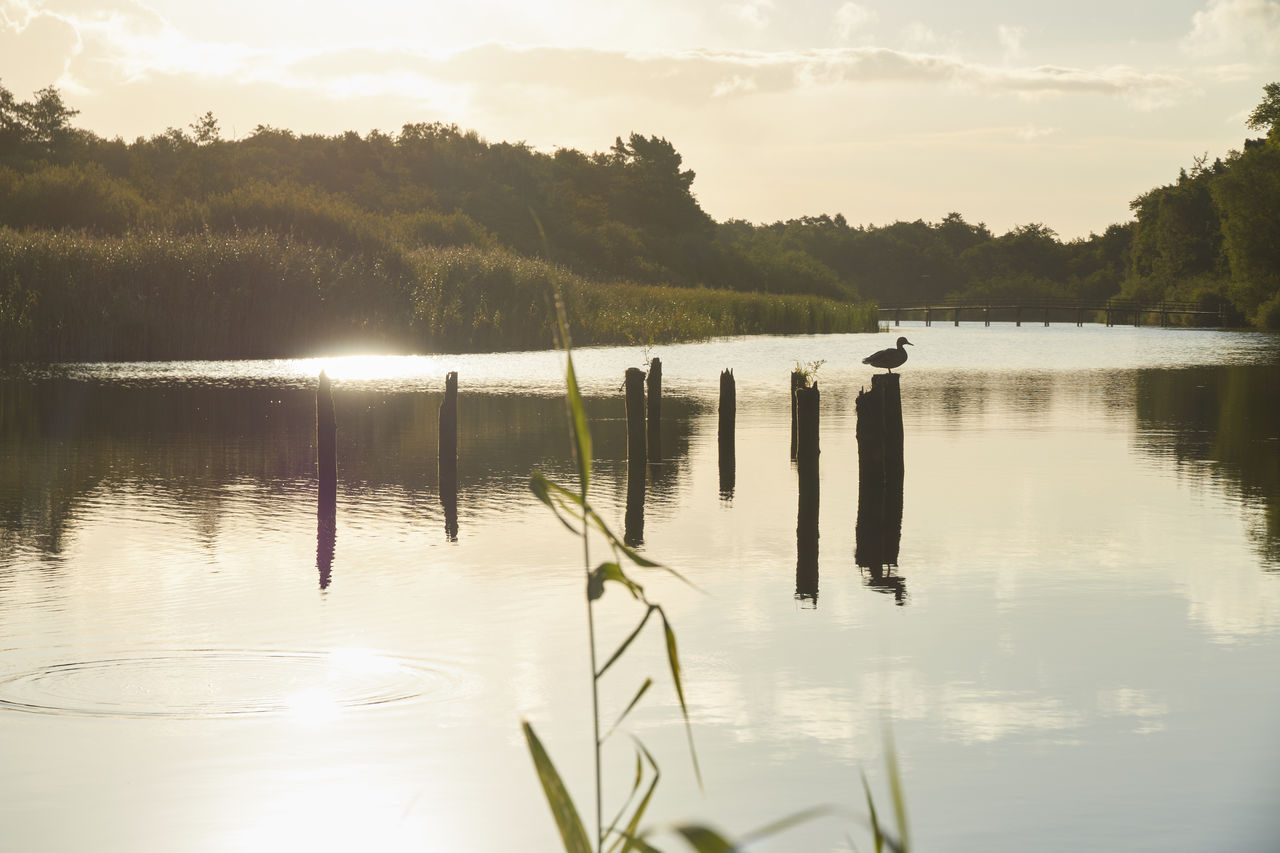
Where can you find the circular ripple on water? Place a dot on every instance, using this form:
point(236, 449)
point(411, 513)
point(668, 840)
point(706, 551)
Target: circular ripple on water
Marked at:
point(209, 683)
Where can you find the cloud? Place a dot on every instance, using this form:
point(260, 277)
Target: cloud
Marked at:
point(851, 18)
point(1231, 27)
point(1030, 133)
point(1010, 41)
point(917, 36)
point(753, 12)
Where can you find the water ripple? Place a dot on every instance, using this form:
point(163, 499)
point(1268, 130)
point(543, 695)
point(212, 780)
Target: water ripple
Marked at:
point(221, 683)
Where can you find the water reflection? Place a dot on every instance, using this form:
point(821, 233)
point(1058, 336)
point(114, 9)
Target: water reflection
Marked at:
point(326, 535)
point(64, 441)
point(807, 538)
point(726, 438)
point(633, 525)
point(1221, 425)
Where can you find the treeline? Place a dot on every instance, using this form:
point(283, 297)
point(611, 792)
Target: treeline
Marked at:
point(1214, 234)
point(345, 238)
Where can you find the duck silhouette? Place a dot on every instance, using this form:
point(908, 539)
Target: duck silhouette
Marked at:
point(889, 358)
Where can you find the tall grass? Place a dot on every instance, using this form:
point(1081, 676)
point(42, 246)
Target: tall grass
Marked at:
point(71, 296)
point(483, 299)
point(223, 292)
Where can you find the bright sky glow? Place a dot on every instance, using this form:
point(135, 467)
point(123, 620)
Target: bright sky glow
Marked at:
point(1008, 113)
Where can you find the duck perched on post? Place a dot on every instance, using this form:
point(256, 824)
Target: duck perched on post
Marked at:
point(889, 358)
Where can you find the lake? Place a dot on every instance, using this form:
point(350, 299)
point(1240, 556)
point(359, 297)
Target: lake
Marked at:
point(1078, 649)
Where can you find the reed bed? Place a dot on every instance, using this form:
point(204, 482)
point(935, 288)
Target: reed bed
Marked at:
point(223, 292)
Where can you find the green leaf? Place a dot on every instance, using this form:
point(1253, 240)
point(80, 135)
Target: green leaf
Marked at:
point(572, 832)
point(895, 788)
point(706, 840)
point(623, 810)
point(578, 417)
point(673, 660)
point(606, 572)
point(630, 832)
point(648, 682)
point(785, 823)
point(877, 835)
point(549, 493)
point(635, 632)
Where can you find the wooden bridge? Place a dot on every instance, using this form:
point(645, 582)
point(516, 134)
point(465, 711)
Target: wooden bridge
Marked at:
point(1115, 311)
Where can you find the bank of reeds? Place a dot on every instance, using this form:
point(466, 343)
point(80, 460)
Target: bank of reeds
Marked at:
point(482, 299)
point(73, 296)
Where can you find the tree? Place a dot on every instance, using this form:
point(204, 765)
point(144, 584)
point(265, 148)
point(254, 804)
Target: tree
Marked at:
point(47, 118)
point(205, 129)
point(1266, 115)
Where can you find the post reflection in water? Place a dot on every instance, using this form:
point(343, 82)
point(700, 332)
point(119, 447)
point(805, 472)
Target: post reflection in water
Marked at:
point(725, 434)
point(807, 538)
point(633, 525)
point(326, 533)
point(879, 532)
point(449, 500)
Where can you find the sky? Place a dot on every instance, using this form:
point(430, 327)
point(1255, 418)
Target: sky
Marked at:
point(1009, 113)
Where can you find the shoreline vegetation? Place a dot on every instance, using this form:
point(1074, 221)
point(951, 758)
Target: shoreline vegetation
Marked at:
point(188, 245)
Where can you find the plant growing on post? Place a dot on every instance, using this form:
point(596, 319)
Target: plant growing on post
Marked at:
point(574, 510)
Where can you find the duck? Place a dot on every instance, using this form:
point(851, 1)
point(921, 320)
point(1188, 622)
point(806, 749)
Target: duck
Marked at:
point(889, 358)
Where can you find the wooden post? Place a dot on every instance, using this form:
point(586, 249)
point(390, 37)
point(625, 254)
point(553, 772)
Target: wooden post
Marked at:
point(326, 437)
point(653, 384)
point(797, 381)
point(880, 477)
point(807, 452)
point(890, 390)
point(633, 390)
point(727, 439)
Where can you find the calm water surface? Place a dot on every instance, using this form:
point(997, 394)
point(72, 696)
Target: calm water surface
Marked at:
point(1078, 650)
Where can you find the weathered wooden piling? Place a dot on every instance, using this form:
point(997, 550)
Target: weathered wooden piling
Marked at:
point(653, 388)
point(797, 381)
point(726, 435)
point(326, 437)
point(806, 399)
point(880, 475)
point(633, 392)
point(807, 452)
point(448, 439)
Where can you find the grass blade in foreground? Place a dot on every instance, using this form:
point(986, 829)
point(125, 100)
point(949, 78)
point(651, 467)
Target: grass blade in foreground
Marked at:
point(572, 832)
